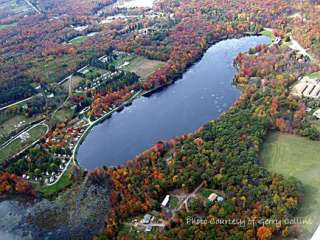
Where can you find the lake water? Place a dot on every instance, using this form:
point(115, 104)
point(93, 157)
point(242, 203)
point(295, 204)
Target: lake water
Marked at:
point(203, 93)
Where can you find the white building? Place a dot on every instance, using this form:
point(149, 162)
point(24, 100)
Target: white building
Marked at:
point(212, 197)
point(317, 114)
point(316, 235)
point(165, 201)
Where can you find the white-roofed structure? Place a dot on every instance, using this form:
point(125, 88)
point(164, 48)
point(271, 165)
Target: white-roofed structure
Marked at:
point(165, 201)
point(317, 114)
point(316, 235)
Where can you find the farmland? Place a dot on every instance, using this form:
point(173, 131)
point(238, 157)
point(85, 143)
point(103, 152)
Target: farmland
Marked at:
point(22, 141)
point(141, 66)
point(298, 157)
point(11, 7)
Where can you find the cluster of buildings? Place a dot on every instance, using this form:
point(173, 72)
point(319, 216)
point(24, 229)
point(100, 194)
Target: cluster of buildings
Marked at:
point(307, 87)
point(148, 220)
point(60, 145)
point(106, 77)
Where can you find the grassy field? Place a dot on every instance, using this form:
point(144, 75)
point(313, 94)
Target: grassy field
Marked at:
point(18, 144)
point(75, 80)
point(298, 157)
point(315, 75)
point(78, 40)
point(143, 67)
point(4, 26)
point(12, 124)
point(63, 115)
point(13, 7)
point(268, 33)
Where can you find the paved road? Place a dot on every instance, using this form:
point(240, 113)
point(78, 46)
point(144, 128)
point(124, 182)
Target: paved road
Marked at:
point(185, 201)
point(13, 104)
point(32, 6)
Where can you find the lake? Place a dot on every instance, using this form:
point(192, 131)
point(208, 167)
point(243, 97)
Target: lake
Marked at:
point(202, 94)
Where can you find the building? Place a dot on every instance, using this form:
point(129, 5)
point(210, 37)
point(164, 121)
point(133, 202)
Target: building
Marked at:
point(278, 40)
point(220, 199)
point(148, 228)
point(212, 197)
point(147, 219)
point(316, 235)
point(317, 114)
point(307, 87)
point(165, 201)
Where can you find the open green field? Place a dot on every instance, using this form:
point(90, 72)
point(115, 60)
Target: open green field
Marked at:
point(15, 123)
point(141, 66)
point(315, 75)
point(53, 69)
point(78, 40)
point(63, 115)
point(4, 26)
point(12, 7)
point(268, 33)
point(298, 157)
point(20, 143)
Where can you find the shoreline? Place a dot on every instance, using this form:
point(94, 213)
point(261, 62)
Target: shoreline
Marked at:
point(91, 124)
point(148, 93)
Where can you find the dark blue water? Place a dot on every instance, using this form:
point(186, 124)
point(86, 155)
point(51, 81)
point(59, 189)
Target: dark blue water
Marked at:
point(203, 93)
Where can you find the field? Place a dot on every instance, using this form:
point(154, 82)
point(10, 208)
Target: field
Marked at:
point(12, 7)
point(78, 40)
point(22, 142)
point(4, 26)
point(15, 123)
point(63, 115)
point(75, 80)
point(315, 75)
point(268, 33)
point(298, 157)
point(141, 66)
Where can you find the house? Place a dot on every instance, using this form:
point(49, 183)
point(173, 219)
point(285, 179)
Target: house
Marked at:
point(316, 235)
point(212, 197)
point(220, 199)
point(147, 219)
point(148, 228)
point(278, 40)
point(51, 95)
point(165, 201)
point(317, 114)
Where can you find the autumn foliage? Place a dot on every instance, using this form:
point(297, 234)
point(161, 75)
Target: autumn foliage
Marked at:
point(264, 233)
point(11, 183)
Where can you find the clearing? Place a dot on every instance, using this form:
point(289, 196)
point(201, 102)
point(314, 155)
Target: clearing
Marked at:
point(12, 7)
point(14, 124)
point(268, 32)
point(78, 40)
point(296, 156)
point(63, 115)
point(22, 141)
point(141, 66)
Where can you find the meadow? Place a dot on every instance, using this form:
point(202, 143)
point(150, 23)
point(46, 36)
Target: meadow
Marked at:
point(298, 157)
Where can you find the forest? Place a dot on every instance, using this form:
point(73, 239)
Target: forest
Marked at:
point(225, 154)
point(43, 38)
